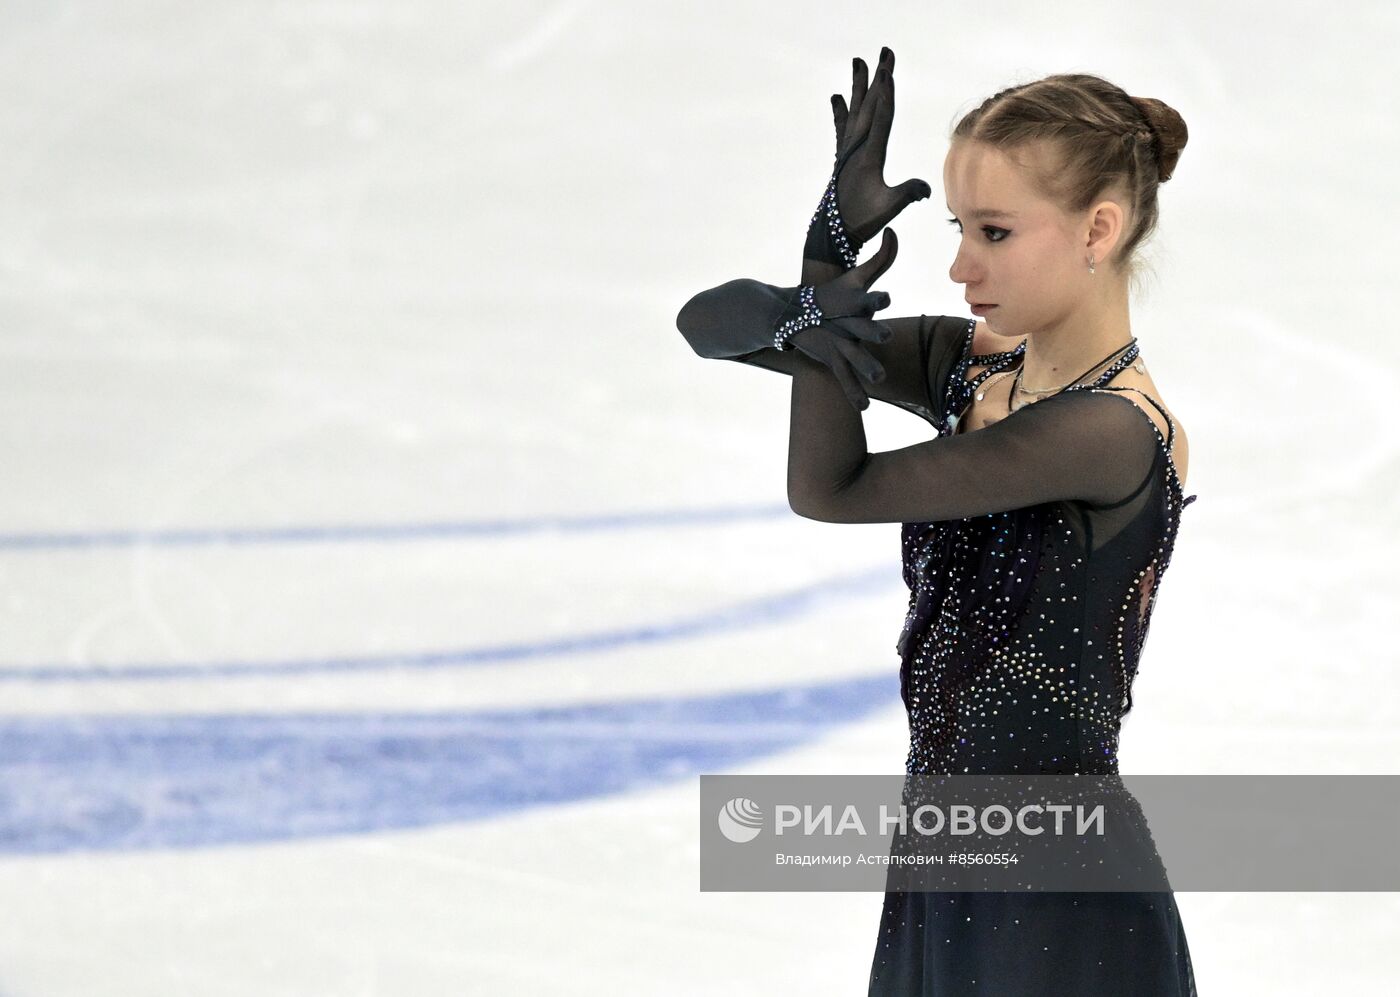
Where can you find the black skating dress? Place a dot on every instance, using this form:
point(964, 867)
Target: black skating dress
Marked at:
point(1019, 649)
point(1034, 551)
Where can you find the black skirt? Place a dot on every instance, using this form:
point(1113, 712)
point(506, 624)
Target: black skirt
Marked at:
point(1040, 944)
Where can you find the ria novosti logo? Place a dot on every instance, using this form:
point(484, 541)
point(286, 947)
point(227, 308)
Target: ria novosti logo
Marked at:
point(740, 820)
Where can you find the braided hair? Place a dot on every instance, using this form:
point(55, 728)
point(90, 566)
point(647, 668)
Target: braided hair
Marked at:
point(1104, 141)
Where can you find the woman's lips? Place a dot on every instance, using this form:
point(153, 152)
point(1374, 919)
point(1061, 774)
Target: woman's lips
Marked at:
point(982, 309)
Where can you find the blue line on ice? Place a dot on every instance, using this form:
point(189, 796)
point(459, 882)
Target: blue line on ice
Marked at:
point(107, 783)
point(752, 612)
point(365, 532)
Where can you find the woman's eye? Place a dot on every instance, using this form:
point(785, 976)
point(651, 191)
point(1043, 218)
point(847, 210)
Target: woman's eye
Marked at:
point(989, 229)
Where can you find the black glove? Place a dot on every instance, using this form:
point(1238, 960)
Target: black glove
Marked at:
point(745, 316)
point(857, 203)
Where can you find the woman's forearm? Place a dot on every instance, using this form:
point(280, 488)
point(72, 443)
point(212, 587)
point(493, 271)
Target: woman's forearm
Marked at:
point(826, 441)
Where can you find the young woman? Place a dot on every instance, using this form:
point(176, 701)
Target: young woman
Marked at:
point(1037, 526)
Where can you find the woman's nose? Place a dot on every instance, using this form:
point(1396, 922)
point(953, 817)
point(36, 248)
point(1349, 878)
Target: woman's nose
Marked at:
point(961, 272)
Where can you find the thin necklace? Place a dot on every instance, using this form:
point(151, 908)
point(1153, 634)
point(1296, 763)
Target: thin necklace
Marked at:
point(1042, 391)
point(1016, 385)
point(987, 385)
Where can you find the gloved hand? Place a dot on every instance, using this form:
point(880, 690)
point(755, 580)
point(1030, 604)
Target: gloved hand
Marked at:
point(743, 317)
point(857, 203)
point(847, 305)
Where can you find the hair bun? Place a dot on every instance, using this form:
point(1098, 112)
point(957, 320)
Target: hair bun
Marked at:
point(1168, 128)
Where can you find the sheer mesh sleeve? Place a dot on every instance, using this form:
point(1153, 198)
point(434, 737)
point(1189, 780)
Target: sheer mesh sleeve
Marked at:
point(726, 321)
point(1075, 445)
point(916, 358)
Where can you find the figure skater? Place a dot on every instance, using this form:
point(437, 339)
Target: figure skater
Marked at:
point(1039, 522)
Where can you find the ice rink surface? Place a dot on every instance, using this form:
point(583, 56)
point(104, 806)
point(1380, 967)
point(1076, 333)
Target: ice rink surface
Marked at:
point(380, 569)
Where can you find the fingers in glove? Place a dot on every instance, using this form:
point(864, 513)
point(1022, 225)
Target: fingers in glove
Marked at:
point(910, 191)
point(882, 107)
point(867, 304)
point(865, 117)
point(848, 295)
point(859, 84)
point(866, 329)
point(850, 384)
point(860, 360)
point(842, 358)
point(872, 269)
point(876, 301)
point(839, 115)
point(845, 295)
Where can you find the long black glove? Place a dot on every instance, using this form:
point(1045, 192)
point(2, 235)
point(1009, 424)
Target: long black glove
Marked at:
point(743, 316)
point(857, 203)
point(740, 320)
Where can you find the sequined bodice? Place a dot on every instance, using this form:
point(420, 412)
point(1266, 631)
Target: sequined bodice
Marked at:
point(1025, 628)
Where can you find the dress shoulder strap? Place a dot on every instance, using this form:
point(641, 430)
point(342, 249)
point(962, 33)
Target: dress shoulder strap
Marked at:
point(959, 390)
point(1100, 383)
point(1171, 423)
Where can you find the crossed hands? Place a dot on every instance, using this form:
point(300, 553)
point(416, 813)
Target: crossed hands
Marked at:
point(866, 205)
point(847, 305)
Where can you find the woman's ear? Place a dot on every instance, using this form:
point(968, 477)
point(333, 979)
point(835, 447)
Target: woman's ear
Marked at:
point(1105, 229)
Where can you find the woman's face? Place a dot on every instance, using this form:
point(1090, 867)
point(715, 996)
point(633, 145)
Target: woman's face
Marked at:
point(1029, 260)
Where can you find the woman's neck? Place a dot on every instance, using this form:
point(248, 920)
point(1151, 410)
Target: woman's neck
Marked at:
point(1057, 355)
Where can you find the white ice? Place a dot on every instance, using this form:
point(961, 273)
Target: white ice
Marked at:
point(280, 265)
